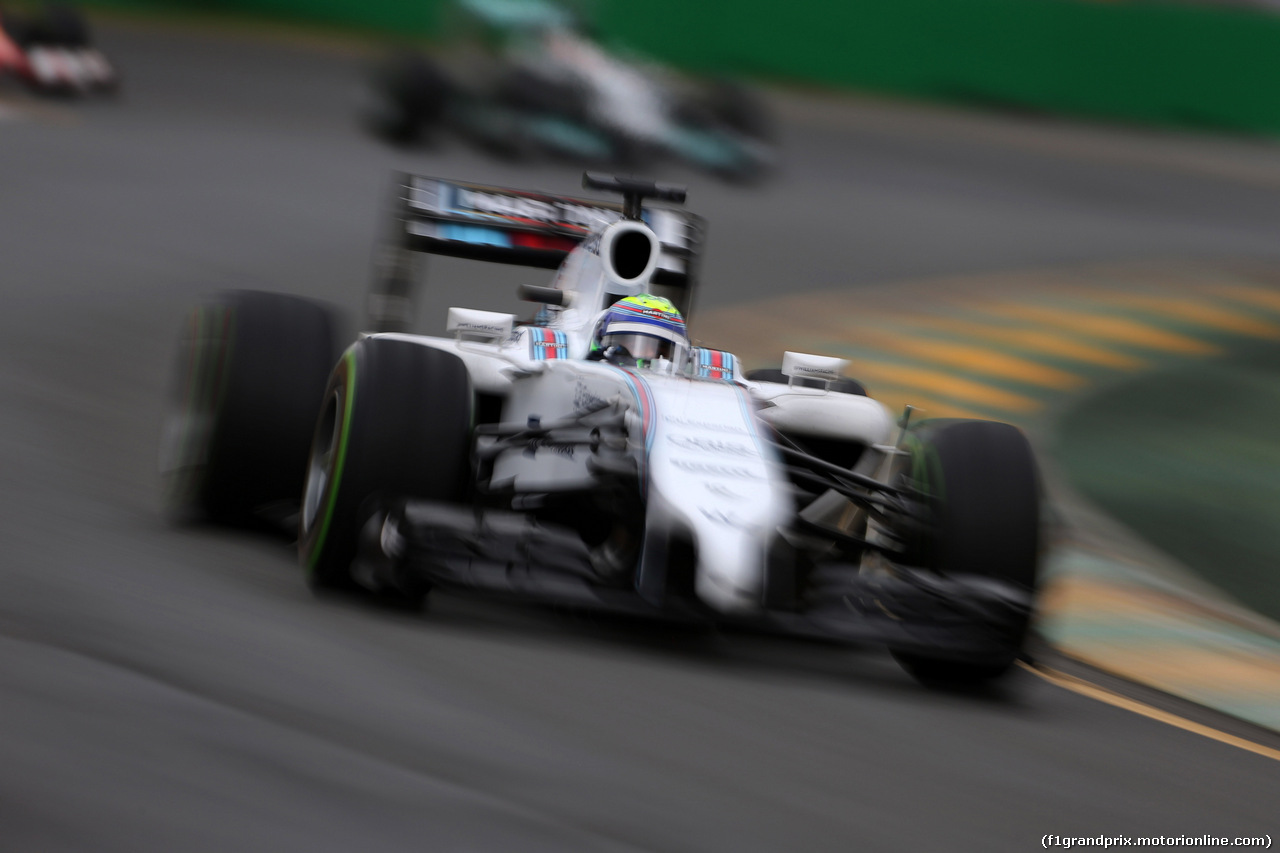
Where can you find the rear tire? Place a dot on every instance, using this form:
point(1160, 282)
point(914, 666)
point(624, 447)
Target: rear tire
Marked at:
point(250, 372)
point(982, 475)
point(395, 422)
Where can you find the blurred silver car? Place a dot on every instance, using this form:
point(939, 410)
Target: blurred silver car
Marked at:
point(522, 78)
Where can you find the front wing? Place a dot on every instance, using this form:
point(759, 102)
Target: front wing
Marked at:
point(509, 555)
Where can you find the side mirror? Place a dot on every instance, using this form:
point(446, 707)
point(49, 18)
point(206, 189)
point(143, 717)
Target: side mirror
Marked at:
point(798, 365)
point(469, 324)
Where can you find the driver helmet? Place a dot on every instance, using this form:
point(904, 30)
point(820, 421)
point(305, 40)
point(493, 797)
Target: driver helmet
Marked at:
point(640, 330)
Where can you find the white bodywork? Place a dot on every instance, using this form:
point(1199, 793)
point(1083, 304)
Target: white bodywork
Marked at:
point(72, 68)
point(708, 466)
point(620, 96)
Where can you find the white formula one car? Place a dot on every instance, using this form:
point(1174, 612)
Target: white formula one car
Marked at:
point(593, 457)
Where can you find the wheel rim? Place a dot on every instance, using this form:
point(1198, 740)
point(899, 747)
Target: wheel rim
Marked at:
point(324, 450)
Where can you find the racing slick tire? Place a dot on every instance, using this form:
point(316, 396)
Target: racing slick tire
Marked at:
point(775, 374)
point(395, 423)
point(986, 491)
point(249, 377)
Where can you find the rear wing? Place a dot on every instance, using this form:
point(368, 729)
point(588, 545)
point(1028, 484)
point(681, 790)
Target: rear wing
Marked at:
point(530, 229)
point(508, 226)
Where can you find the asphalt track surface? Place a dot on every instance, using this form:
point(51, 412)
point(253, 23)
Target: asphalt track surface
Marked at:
point(177, 688)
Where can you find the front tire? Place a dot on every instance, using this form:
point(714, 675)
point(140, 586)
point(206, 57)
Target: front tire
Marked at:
point(982, 478)
point(395, 422)
point(250, 371)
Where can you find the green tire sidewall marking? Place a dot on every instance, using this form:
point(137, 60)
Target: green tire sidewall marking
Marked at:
point(335, 480)
point(923, 464)
point(205, 385)
point(926, 466)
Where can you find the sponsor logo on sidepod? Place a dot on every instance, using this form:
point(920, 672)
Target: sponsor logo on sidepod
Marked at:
point(711, 469)
point(710, 426)
point(712, 445)
point(815, 371)
point(490, 328)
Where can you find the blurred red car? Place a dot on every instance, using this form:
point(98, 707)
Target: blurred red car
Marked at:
point(50, 52)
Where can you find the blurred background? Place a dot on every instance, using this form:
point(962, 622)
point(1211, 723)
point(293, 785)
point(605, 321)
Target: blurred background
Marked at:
point(1060, 213)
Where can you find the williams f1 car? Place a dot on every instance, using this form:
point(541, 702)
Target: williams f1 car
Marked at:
point(592, 456)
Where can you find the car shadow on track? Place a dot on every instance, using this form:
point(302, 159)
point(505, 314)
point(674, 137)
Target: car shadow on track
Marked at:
point(746, 653)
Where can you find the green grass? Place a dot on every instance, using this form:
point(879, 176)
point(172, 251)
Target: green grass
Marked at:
point(1189, 458)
